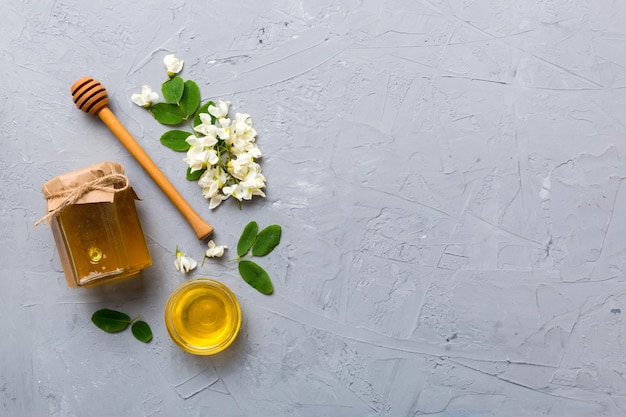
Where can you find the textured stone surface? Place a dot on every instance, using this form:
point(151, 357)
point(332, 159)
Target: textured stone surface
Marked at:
point(450, 180)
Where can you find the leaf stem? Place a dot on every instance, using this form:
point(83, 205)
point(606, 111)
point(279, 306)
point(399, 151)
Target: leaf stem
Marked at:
point(193, 132)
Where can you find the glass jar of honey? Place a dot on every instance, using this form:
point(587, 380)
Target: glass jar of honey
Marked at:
point(95, 225)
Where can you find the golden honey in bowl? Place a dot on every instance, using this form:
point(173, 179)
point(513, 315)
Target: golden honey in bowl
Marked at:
point(202, 316)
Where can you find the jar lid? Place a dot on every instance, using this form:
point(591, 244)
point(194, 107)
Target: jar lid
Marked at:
point(77, 183)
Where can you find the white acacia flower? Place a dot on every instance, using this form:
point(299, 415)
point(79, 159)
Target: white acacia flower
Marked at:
point(211, 190)
point(215, 251)
point(207, 127)
point(241, 146)
point(244, 190)
point(146, 97)
point(184, 263)
point(173, 64)
point(213, 178)
point(211, 181)
point(239, 191)
point(242, 127)
point(251, 183)
point(207, 141)
point(221, 110)
point(199, 157)
point(254, 177)
point(223, 131)
point(216, 200)
point(239, 167)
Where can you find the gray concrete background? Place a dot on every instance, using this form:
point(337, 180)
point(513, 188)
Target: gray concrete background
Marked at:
point(449, 176)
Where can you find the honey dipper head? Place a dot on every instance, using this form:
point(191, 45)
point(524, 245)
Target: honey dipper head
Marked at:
point(89, 95)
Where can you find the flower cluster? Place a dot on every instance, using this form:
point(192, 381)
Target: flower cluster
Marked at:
point(221, 151)
point(225, 150)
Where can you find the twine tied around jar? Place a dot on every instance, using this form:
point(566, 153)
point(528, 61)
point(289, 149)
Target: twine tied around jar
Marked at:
point(111, 183)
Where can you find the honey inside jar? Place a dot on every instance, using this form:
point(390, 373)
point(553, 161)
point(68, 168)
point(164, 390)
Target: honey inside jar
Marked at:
point(203, 316)
point(102, 241)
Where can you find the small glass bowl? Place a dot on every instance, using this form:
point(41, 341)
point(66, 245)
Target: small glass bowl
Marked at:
point(202, 316)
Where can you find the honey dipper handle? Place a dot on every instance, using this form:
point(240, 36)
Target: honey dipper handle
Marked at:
point(201, 228)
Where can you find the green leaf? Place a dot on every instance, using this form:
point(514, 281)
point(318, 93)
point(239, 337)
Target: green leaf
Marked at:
point(190, 99)
point(110, 321)
point(141, 330)
point(267, 240)
point(193, 176)
point(248, 236)
point(203, 109)
point(166, 113)
point(172, 89)
point(176, 140)
point(256, 276)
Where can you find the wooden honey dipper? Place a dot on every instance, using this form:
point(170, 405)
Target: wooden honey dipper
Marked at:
point(91, 97)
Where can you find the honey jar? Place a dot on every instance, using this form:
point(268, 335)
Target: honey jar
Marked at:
point(95, 225)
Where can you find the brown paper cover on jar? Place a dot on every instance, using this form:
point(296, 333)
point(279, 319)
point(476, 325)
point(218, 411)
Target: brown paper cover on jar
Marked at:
point(58, 188)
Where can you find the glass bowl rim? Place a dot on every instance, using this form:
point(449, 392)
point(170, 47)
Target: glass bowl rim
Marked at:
point(174, 335)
